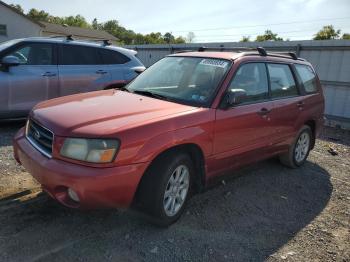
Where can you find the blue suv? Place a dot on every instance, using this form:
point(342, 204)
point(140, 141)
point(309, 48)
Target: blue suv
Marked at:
point(36, 69)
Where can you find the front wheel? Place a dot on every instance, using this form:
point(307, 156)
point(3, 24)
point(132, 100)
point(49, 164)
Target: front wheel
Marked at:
point(165, 188)
point(299, 150)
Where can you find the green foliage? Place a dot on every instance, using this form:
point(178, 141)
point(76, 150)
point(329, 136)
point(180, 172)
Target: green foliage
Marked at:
point(245, 39)
point(326, 33)
point(268, 36)
point(18, 8)
point(38, 15)
point(346, 36)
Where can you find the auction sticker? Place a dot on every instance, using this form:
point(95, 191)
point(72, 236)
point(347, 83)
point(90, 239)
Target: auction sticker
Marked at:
point(214, 62)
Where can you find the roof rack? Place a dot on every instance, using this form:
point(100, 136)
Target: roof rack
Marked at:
point(222, 48)
point(68, 37)
point(261, 51)
point(105, 42)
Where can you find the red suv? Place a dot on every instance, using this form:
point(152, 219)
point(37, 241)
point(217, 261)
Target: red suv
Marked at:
point(181, 124)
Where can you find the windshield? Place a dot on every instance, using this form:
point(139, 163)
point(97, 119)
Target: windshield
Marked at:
point(189, 80)
point(7, 44)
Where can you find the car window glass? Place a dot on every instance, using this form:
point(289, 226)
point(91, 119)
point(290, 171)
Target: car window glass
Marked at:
point(191, 80)
point(307, 77)
point(78, 55)
point(111, 57)
point(34, 54)
point(281, 81)
point(252, 79)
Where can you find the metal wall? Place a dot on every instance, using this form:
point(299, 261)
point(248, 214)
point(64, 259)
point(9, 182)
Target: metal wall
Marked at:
point(331, 59)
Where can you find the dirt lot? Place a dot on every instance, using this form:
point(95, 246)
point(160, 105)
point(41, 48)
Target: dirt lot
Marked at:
point(266, 212)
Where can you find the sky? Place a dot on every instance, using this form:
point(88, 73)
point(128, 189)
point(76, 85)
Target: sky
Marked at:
point(210, 20)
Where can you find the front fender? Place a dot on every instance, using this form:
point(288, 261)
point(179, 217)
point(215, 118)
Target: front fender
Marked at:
point(200, 136)
point(145, 142)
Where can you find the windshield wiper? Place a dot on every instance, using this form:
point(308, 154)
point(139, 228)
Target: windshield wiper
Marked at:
point(123, 88)
point(150, 94)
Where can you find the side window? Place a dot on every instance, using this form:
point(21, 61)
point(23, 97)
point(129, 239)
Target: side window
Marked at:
point(307, 77)
point(282, 81)
point(3, 30)
point(252, 79)
point(78, 55)
point(110, 57)
point(34, 54)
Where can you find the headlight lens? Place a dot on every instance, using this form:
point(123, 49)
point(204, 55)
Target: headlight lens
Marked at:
point(90, 150)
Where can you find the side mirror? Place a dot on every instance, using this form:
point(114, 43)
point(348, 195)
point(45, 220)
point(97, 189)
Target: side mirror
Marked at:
point(9, 61)
point(139, 69)
point(234, 97)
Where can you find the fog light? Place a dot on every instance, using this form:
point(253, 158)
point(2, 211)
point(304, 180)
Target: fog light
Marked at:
point(73, 195)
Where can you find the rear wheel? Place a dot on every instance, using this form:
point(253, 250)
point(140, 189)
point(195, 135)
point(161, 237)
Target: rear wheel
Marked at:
point(299, 150)
point(165, 188)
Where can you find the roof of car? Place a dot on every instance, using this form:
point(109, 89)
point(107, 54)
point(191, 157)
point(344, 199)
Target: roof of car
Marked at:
point(76, 42)
point(221, 55)
point(237, 54)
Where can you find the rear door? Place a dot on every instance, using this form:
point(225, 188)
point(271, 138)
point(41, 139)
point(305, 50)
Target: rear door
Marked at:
point(244, 132)
point(81, 70)
point(33, 81)
point(287, 101)
point(116, 62)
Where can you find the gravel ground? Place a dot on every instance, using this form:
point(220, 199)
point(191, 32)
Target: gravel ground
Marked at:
point(265, 212)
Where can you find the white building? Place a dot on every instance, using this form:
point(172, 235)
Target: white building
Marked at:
point(14, 24)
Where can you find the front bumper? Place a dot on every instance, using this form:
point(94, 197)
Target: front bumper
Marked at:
point(112, 187)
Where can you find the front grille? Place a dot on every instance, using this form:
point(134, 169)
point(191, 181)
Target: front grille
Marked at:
point(40, 137)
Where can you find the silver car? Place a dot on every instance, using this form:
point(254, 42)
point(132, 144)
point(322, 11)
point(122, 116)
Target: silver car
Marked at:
point(37, 69)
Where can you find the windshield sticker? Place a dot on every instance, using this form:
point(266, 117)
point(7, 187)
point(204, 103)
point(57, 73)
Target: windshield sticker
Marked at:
point(214, 62)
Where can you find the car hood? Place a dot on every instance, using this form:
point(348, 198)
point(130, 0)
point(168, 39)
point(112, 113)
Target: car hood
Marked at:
point(102, 113)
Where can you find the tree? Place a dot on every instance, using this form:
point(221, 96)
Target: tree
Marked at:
point(346, 36)
point(245, 39)
point(113, 27)
point(18, 8)
point(326, 33)
point(77, 20)
point(190, 37)
point(38, 15)
point(268, 36)
point(169, 38)
point(179, 40)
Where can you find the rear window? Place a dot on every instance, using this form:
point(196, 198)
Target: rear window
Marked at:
point(282, 81)
point(308, 78)
point(110, 57)
point(78, 55)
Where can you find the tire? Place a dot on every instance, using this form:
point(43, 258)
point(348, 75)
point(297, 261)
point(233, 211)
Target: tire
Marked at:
point(299, 150)
point(159, 180)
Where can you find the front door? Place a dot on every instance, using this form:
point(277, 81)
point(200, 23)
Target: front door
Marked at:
point(33, 81)
point(244, 132)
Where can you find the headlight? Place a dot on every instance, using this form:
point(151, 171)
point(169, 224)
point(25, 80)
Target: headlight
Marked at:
point(90, 150)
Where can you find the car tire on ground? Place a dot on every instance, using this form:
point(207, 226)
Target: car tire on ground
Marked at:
point(299, 149)
point(165, 188)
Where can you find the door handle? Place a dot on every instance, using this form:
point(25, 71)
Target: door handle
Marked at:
point(48, 74)
point(300, 105)
point(263, 111)
point(101, 72)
